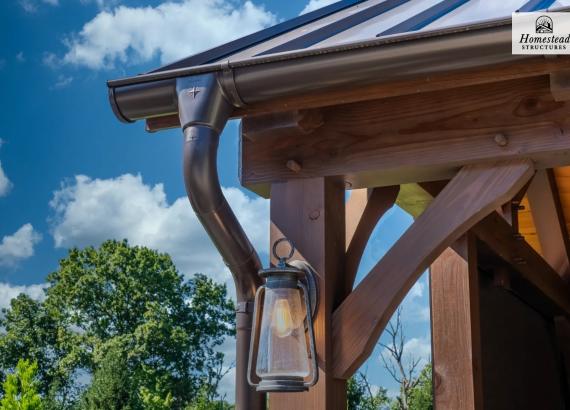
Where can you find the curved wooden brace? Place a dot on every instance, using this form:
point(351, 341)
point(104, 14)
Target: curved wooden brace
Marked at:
point(364, 209)
point(475, 192)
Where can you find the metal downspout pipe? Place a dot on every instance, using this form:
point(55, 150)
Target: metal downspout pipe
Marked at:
point(204, 110)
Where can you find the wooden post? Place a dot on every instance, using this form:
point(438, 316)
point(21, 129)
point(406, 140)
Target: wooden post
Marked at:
point(310, 212)
point(456, 328)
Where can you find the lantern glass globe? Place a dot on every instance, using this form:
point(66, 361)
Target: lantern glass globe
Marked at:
point(282, 350)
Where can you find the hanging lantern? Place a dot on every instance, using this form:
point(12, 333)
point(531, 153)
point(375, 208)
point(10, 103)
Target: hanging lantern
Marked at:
point(283, 340)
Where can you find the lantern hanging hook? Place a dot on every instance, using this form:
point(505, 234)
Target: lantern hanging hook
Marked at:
point(283, 259)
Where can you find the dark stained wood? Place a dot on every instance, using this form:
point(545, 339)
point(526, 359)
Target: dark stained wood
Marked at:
point(560, 85)
point(520, 362)
point(311, 214)
point(549, 221)
point(471, 195)
point(363, 210)
point(456, 339)
point(419, 138)
point(499, 236)
point(419, 84)
point(280, 124)
point(562, 329)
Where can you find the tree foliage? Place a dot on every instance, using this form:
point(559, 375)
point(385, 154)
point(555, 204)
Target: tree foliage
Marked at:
point(21, 388)
point(421, 397)
point(123, 320)
point(362, 396)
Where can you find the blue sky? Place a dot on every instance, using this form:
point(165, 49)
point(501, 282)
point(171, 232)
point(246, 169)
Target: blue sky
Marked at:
point(72, 175)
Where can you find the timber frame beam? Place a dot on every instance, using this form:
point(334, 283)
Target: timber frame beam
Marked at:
point(475, 192)
point(415, 138)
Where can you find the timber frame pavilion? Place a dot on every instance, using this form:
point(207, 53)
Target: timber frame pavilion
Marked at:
point(442, 120)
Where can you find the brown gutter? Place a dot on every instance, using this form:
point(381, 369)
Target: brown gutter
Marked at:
point(271, 77)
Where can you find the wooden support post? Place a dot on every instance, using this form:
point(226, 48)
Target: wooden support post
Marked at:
point(310, 213)
point(455, 328)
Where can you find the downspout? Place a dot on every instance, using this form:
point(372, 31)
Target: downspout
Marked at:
point(204, 109)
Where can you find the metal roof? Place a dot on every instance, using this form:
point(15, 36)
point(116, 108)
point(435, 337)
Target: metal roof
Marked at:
point(350, 21)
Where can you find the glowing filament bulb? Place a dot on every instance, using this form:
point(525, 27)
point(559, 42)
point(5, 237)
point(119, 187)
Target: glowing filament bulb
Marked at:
point(282, 319)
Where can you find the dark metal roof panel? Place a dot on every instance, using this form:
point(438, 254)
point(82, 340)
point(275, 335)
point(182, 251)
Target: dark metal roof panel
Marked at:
point(424, 18)
point(337, 27)
point(350, 21)
point(232, 47)
point(534, 5)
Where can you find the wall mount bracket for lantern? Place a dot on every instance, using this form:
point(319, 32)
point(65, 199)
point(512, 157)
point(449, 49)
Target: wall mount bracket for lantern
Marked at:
point(283, 313)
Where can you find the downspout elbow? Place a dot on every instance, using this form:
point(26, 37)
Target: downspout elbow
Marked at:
point(204, 110)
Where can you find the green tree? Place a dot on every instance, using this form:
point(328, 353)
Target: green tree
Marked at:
point(21, 388)
point(360, 395)
point(111, 384)
point(204, 401)
point(127, 305)
point(421, 396)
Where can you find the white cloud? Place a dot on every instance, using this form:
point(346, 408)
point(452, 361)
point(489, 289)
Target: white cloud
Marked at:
point(5, 184)
point(418, 348)
point(9, 292)
point(415, 306)
point(31, 6)
point(50, 60)
point(417, 291)
point(62, 82)
point(88, 211)
point(20, 57)
point(316, 4)
point(171, 30)
point(18, 246)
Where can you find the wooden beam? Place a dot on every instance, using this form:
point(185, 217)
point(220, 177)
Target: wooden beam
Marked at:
point(560, 85)
point(420, 138)
point(471, 195)
point(500, 237)
point(417, 84)
point(311, 214)
point(549, 221)
point(363, 210)
point(279, 124)
point(517, 253)
point(455, 324)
